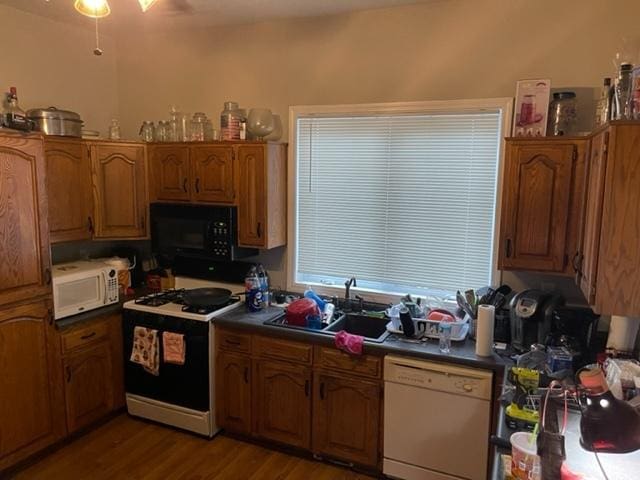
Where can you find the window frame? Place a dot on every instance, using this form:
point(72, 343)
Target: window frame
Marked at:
point(502, 105)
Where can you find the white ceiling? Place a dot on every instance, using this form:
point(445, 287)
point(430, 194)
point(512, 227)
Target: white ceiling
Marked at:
point(202, 13)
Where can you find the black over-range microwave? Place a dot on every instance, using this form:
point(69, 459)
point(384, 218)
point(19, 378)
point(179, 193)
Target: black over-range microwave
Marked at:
point(208, 232)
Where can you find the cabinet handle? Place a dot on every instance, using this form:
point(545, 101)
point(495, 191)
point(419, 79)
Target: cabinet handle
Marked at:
point(68, 369)
point(232, 342)
point(184, 185)
point(50, 316)
point(321, 390)
point(88, 336)
point(90, 224)
point(143, 223)
point(576, 263)
point(507, 248)
point(306, 388)
point(197, 185)
point(246, 374)
point(47, 276)
point(259, 229)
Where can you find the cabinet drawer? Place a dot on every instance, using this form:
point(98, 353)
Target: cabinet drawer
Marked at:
point(333, 359)
point(282, 349)
point(84, 335)
point(234, 341)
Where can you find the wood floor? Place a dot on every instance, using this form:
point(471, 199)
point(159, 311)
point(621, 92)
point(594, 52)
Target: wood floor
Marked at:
point(125, 448)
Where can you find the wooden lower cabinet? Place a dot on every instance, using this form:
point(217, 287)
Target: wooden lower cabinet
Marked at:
point(31, 397)
point(346, 418)
point(88, 385)
point(282, 402)
point(233, 392)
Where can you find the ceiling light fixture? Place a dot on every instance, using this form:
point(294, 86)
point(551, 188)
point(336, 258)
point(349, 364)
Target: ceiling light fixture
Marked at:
point(146, 4)
point(93, 8)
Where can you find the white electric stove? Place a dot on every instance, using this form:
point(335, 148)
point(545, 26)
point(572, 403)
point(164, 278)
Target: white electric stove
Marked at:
point(181, 395)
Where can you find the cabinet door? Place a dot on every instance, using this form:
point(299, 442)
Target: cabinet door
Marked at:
point(25, 272)
point(119, 190)
point(346, 419)
point(69, 190)
point(251, 196)
point(31, 402)
point(212, 174)
point(170, 173)
point(282, 402)
point(588, 263)
point(535, 207)
point(88, 385)
point(233, 392)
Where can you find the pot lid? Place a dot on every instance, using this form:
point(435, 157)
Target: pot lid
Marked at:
point(52, 113)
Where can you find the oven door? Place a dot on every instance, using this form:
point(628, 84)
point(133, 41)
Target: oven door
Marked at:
point(183, 385)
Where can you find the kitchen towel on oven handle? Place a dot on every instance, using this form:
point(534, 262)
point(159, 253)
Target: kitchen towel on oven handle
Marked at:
point(173, 348)
point(146, 349)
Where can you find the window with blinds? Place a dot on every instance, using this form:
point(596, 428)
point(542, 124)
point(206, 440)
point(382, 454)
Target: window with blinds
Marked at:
point(404, 202)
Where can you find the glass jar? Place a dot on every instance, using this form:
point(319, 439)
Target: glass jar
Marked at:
point(623, 92)
point(562, 114)
point(445, 337)
point(114, 130)
point(163, 131)
point(198, 127)
point(230, 119)
point(147, 131)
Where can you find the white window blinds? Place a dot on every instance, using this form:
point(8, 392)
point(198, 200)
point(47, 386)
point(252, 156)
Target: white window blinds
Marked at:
point(405, 203)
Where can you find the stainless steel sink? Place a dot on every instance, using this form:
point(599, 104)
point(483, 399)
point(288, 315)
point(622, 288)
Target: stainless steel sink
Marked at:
point(373, 329)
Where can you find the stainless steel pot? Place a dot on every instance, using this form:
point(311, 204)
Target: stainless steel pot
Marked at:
point(52, 121)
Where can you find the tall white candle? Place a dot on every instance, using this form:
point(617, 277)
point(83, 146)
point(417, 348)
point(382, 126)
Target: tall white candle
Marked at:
point(484, 333)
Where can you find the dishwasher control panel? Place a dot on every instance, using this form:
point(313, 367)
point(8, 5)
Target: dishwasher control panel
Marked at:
point(438, 376)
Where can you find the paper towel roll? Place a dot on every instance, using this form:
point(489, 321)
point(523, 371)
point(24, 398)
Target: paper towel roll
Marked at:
point(622, 333)
point(484, 332)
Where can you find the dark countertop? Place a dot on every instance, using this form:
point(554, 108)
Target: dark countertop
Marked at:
point(579, 460)
point(68, 322)
point(462, 353)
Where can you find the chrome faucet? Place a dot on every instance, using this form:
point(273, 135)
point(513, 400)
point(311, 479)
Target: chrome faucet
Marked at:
point(347, 286)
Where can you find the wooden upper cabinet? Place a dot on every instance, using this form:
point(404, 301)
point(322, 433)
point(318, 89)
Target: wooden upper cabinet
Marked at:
point(233, 392)
point(282, 402)
point(262, 195)
point(25, 270)
point(588, 260)
point(119, 190)
point(31, 403)
point(88, 385)
point(170, 173)
point(213, 179)
point(543, 195)
point(346, 418)
point(69, 190)
point(618, 282)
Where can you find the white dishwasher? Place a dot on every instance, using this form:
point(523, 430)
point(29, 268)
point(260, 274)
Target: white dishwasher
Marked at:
point(436, 420)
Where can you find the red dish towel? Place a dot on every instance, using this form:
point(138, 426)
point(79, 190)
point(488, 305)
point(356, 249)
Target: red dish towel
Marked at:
point(349, 343)
point(173, 348)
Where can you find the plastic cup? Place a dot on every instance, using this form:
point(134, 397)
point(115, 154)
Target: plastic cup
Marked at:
point(525, 462)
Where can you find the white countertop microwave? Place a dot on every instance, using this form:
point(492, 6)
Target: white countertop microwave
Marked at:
point(82, 286)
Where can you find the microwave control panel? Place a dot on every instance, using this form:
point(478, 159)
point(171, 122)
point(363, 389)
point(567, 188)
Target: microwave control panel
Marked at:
point(112, 287)
point(220, 238)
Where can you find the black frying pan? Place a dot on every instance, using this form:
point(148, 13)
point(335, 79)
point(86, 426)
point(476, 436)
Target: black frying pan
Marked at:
point(206, 297)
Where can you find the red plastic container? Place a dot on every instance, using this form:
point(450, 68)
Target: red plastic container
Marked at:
point(298, 310)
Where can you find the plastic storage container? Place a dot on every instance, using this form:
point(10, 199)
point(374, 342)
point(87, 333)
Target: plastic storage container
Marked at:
point(562, 114)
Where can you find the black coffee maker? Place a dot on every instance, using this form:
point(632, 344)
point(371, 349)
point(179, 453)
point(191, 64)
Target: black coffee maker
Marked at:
point(574, 328)
point(531, 318)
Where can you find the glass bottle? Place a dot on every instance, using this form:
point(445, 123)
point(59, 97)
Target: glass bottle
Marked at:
point(198, 127)
point(13, 116)
point(445, 337)
point(623, 92)
point(603, 107)
point(230, 119)
point(162, 131)
point(176, 125)
point(114, 130)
